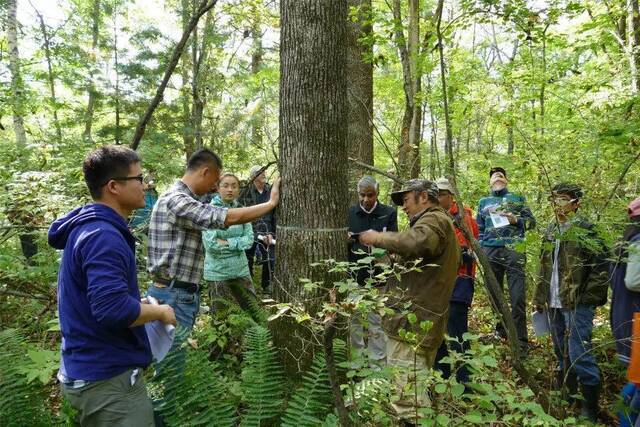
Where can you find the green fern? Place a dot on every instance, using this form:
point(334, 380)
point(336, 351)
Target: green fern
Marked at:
point(198, 397)
point(312, 399)
point(21, 402)
point(262, 378)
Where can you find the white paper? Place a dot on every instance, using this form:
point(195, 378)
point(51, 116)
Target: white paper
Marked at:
point(160, 335)
point(540, 323)
point(499, 221)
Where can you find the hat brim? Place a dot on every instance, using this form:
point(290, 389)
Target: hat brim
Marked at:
point(397, 196)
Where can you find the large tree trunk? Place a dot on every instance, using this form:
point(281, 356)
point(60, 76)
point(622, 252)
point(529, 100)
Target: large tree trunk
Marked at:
point(200, 72)
point(17, 98)
point(312, 216)
point(93, 94)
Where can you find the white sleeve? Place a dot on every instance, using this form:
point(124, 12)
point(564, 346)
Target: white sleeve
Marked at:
point(632, 277)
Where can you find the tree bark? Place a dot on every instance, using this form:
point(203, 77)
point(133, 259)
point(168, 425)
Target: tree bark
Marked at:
point(204, 7)
point(359, 89)
point(409, 51)
point(312, 221)
point(93, 94)
point(17, 96)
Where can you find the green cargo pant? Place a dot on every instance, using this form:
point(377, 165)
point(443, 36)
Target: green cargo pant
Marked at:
point(112, 402)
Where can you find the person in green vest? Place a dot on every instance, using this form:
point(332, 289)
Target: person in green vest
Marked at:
point(226, 268)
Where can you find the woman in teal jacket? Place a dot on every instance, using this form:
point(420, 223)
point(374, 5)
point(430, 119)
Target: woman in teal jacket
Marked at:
point(226, 268)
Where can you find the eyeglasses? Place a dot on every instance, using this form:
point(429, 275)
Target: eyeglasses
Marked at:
point(139, 178)
point(560, 201)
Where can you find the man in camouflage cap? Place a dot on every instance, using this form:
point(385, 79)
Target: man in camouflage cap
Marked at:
point(431, 241)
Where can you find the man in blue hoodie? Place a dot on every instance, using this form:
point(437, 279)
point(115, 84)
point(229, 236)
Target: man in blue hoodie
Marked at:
point(503, 217)
point(104, 343)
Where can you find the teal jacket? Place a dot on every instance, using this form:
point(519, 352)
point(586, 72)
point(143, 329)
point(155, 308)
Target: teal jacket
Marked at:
point(224, 262)
point(503, 201)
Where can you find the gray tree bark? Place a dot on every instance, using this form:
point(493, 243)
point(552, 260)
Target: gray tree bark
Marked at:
point(17, 98)
point(312, 220)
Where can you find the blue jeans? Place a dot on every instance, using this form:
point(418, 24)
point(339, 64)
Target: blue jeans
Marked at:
point(185, 305)
point(457, 325)
point(571, 334)
point(506, 261)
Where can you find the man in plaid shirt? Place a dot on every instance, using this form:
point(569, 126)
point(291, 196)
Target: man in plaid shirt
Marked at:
point(176, 254)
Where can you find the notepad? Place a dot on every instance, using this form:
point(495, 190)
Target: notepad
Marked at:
point(160, 335)
point(499, 221)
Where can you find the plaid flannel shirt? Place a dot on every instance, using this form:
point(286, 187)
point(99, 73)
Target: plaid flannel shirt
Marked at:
point(175, 239)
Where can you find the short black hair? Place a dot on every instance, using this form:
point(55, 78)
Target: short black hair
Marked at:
point(572, 190)
point(203, 157)
point(105, 163)
point(497, 169)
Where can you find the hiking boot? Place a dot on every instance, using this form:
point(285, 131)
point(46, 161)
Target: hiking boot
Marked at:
point(590, 407)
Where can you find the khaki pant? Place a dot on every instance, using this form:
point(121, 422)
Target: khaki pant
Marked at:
point(408, 364)
point(112, 402)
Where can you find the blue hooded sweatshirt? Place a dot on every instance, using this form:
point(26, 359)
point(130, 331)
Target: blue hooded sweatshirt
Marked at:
point(98, 295)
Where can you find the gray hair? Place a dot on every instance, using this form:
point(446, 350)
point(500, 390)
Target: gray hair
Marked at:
point(368, 182)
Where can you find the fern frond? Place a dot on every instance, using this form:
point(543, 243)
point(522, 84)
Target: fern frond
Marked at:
point(312, 399)
point(21, 403)
point(198, 397)
point(263, 383)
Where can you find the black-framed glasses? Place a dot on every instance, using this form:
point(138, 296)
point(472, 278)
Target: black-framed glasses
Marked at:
point(139, 178)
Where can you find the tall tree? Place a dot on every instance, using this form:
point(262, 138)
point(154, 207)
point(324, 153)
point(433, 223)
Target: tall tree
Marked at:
point(53, 100)
point(634, 44)
point(360, 82)
point(412, 72)
point(17, 89)
point(93, 92)
point(313, 156)
point(257, 53)
point(448, 136)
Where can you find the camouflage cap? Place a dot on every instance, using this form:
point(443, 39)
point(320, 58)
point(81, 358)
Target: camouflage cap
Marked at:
point(415, 185)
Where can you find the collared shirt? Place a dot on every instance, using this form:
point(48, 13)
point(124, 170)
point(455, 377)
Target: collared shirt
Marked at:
point(175, 239)
point(554, 289)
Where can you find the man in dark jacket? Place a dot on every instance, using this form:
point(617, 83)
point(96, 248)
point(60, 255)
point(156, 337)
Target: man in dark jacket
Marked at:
point(572, 281)
point(503, 217)
point(425, 292)
point(368, 214)
point(263, 250)
point(104, 343)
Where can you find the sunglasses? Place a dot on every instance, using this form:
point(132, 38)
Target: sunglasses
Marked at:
point(139, 178)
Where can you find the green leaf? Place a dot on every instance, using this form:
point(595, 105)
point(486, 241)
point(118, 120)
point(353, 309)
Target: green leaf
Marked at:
point(412, 318)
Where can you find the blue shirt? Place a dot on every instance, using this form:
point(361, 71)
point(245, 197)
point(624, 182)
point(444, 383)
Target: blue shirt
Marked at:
point(98, 295)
